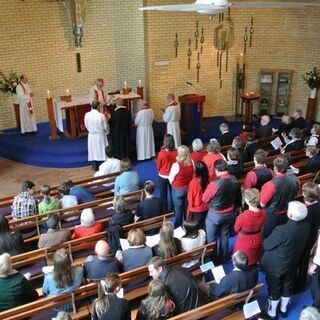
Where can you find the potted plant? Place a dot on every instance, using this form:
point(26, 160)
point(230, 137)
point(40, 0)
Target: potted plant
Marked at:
point(312, 79)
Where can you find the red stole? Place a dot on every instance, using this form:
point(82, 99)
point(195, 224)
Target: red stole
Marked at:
point(96, 92)
point(173, 103)
point(29, 103)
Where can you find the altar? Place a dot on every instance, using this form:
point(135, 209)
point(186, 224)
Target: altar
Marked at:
point(75, 111)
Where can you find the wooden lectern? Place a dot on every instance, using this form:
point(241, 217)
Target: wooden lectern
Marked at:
point(191, 114)
point(311, 109)
point(248, 99)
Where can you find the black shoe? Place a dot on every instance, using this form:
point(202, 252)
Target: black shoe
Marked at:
point(284, 314)
point(267, 317)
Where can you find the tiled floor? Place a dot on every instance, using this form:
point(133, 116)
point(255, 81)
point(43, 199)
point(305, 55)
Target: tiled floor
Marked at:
point(12, 174)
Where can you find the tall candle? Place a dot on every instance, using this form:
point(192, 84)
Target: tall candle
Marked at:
point(67, 92)
point(48, 94)
point(241, 61)
point(139, 84)
point(125, 85)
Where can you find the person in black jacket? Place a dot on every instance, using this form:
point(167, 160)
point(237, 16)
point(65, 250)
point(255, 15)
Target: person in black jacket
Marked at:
point(151, 206)
point(181, 287)
point(311, 197)
point(96, 268)
point(226, 137)
point(108, 305)
point(296, 142)
point(265, 128)
point(240, 279)
point(121, 216)
point(282, 251)
point(313, 163)
point(297, 120)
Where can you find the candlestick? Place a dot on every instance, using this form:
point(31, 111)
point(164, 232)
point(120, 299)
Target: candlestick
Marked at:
point(139, 83)
point(67, 92)
point(125, 85)
point(48, 94)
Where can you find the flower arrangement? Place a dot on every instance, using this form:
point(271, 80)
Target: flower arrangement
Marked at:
point(312, 79)
point(8, 84)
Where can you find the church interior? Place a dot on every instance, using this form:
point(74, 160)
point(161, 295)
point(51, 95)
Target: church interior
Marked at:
point(63, 46)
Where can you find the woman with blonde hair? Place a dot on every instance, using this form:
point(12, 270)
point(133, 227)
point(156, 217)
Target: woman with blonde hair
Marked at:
point(121, 215)
point(158, 305)
point(180, 176)
point(249, 225)
point(108, 305)
point(138, 254)
point(168, 246)
point(166, 158)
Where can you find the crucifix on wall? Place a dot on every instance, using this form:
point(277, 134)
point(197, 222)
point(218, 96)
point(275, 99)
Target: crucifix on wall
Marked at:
point(76, 10)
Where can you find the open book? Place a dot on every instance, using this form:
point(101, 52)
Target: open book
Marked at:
point(276, 143)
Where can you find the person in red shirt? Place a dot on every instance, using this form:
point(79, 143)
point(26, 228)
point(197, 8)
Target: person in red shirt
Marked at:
point(247, 129)
point(180, 175)
point(213, 155)
point(166, 157)
point(197, 153)
point(260, 174)
point(248, 226)
point(197, 209)
point(88, 225)
point(276, 194)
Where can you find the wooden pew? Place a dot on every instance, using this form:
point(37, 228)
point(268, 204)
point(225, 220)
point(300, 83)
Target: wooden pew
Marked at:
point(75, 247)
point(86, 183)
point(218, 305)
point(90, 290)
point(131, 200)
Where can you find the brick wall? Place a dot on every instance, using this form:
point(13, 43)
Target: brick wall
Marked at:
point(281, 39)
point(36, 38)
point(122, 43)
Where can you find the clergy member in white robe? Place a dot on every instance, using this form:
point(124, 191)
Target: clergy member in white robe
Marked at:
point(96, 93)
point(171, 116)
point(145, 136)
point(24, 97)
point(98, 129)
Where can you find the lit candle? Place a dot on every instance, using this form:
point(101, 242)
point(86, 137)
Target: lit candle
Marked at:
point(125, 85)
point(241, 61)
point(139, 84)
point(48, 94)
point(67, 92)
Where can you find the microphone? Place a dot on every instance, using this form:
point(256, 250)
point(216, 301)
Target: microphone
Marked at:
point(189, 83)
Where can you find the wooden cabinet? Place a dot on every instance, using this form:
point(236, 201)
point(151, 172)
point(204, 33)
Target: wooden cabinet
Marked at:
point(275, 91)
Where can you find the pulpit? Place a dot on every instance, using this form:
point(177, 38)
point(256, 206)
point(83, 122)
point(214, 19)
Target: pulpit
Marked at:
point(248, 99)
point(191, 114)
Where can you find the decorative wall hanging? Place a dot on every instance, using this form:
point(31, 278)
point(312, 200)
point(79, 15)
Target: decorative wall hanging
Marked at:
point(223, 40)
point(198, 66)
point(197, 34)
point(202, 40)
point(176, 45)
point(251, 33)
point(189, 55)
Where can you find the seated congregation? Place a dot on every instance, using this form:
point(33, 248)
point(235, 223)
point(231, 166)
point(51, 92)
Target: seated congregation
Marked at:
point(134, 259)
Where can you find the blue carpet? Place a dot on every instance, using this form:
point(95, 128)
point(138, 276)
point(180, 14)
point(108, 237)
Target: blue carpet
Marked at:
point(39, 150)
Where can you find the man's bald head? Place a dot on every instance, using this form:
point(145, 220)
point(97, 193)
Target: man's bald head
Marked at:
point(102, 249)
point(265, 120)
